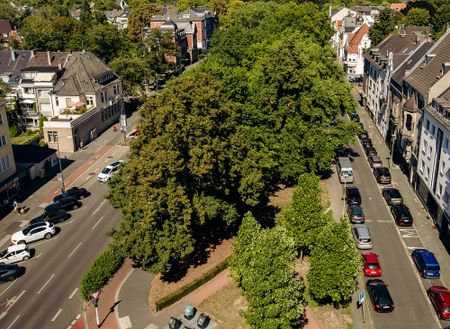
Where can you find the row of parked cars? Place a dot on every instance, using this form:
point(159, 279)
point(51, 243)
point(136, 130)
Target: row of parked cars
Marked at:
point(424, 260)
point(40, 227)
point(189, 314)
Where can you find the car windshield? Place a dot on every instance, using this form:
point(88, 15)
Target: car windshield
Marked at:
point(356, 211)
point(432, 268)
point(394, 193)
point(27, 230)
point(365, 240)
point(3, 253)
point(384, 300)
point(384, 171)
point(372, 266)
point(106, 170)
point(347, 173)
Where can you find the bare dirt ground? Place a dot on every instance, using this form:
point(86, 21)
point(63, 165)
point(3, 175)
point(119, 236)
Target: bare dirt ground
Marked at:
point(161, 289)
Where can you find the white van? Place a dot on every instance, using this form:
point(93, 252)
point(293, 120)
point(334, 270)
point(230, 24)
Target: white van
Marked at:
point(345, 171)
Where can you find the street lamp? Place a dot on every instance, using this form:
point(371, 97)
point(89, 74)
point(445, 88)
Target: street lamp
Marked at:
point(63, 187)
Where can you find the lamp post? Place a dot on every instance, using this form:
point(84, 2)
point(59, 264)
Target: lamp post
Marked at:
point(63, 187)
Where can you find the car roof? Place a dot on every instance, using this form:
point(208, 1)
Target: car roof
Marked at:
point(391, 190)
point(17, 247)
point(371, 257)
point(38, 224)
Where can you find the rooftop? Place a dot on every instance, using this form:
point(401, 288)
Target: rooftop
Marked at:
point(5, 26)
point(31, 153)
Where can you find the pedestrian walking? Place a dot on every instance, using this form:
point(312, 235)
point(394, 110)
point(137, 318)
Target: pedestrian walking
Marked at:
point(81, 144)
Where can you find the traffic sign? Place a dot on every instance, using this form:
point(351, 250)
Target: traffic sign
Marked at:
point(361, 297)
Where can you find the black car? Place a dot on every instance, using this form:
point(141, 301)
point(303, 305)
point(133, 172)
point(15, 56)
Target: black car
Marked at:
point(75, 192)
point(352, 195)
point(402, 215)
point(174, 323)
point(366, 143)
point(355, 214)
point(52, 215)
point(354, 117)
point(379, 295)
point(203, 321)
point(66, 203)
point(363, 135)
point(9, 272)
point(370, 151)
point(392, 196)
point(342, 152)
point(382, 175)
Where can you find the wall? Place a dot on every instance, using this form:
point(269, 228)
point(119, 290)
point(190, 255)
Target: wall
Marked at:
point(6, 150)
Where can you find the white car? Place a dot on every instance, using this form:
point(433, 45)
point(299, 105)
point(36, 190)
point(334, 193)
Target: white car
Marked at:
point(15, 253)
point(107, 172)
point(34, 232)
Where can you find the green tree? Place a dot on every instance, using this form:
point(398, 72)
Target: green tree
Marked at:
point(133, 71)
point(273, 290)
point(381, 29)
point(335, 264)
point(105, 5)
point(417, 17)
point(85, 15)
point(305, 218)
point(140, 19)
point(105, 41)
point(5, 89)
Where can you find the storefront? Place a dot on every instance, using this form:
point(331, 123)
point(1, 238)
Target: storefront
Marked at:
point(9, 189)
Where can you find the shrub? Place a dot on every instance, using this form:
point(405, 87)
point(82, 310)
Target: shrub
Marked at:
point(183, 291)
point(101, 270)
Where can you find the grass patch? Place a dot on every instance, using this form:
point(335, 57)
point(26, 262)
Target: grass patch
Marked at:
point(25, 138)
point(225, 306)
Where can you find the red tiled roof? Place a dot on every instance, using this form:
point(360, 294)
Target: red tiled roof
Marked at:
point(398, 6)
point(5, 27)
point(355, 38)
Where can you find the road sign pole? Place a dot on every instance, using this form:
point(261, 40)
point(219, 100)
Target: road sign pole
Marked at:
point(363, 306)
point(96, 317)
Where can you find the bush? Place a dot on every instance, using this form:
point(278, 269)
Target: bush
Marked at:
point(177, 295)
point(101, 270)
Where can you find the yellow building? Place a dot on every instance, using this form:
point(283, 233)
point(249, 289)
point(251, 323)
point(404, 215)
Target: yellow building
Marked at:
point(9, 182)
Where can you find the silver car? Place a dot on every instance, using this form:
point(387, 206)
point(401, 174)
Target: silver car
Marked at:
point(362, 237)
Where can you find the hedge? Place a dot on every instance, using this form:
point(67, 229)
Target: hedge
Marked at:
point(177, 295)
point(101, 270)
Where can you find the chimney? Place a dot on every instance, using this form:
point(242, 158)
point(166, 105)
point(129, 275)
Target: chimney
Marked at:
point(13, 55)
point(445, 67)
point(429, 57)
point(49, 58)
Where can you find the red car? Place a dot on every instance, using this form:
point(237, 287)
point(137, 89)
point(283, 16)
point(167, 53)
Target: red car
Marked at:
point(440, 298)
point(371, 264)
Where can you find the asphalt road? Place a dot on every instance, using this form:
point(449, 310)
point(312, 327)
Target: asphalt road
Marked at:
point(47, 295)
point(393, 245)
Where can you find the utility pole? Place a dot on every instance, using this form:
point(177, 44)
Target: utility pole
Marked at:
point(63, 187)
point(95, 296)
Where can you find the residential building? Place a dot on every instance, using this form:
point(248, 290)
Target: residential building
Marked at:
point(11, 64)
point(5, 29)
point(379, 64)
point(356, 44)
point(368, 10)
point(85, 101)
point(184, 36)
point(9, 182)
point(429, 91)
point(118, 17)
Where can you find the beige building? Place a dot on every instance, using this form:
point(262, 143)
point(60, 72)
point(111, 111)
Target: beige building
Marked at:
point(9, 183)
point(85, 101)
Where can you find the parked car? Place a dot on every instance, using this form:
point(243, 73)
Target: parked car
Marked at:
point(15, 253)
point(362, 237)
point(382, 175)
point(354, 117)
point(370, 151)
point(341, 152)
point(174, 323)
point(75, 192)
point(402, 215)
point(52, 215)
point(189, 312)
point(371, 264)
point(109, 171)
point(426, 263)
point(34, 232)
point(392, 196)
point(379, 295)
point(375, 161)
point(355, 214)
point(440, 298)
point(363, 135)
point(66, 203)
point(366, 143)
point(9, 272)
point(352, 195)
point(203, 321)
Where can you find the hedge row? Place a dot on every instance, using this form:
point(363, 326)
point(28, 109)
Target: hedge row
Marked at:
point(101, 270)
point(177, 295)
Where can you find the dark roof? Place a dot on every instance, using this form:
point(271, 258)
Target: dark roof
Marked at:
point(444, 101)
point(82, 74)
point(414, 57)
point(48, 58)
point(426, 73)
point(31, 153)
point(11, 66)
point(5, 27)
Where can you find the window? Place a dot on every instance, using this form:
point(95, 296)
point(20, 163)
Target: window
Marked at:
point(433, 129)
point(103, 115)
point(102, 94)
point(56, 101)
point(446, 197)
point(443, 167)
point(53, 136)
point(427, 125)
point(1, 119)
point(27, 90)
point(422, 166)
point(446, 143)
point(5, 163)
point(428, 173)
point(408, 123)
point(430, 151)
point(90, 100)
point(2, 140)
point(439, 191)
point(425, 146)
point(115, 89)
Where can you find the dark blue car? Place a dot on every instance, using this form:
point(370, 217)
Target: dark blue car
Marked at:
point(426, 263)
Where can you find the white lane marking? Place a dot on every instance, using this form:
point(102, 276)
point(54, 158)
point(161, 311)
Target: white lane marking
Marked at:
point(37, 257)
point(98, 222)
point(84, 207)
point(98, 208)
point(73, 293)
point(56, 315)
point(7, 288)
point(78, 245)
point(408, 233)
point(12, 323)
point(45, 284)
point(10, 303)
